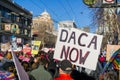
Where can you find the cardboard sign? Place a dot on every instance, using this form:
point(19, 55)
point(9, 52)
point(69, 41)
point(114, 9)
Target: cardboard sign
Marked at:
point(36, 46)
point(7, 27)
point(5, 46)
point(15, 28)
point(19, 40)
point(13, 42)
point(110, 50)
point(26, 49)
point(79, 47)
point(114, 61)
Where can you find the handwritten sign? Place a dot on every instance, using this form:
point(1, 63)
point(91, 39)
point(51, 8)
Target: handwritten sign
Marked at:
point(36, 46)
point(110, 50)
point(26, 49)
point(79, 47)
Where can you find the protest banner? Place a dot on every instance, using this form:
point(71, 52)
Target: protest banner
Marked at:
point(7, 27)
point(110, 50)
point(26, 49)
point(13, 43)
point(35, 47)
point(79, 47)
point(22, 75)
point(5, 46)
point(114, 61)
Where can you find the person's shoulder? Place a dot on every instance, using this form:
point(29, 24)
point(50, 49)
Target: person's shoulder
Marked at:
point(33, 71)
point(57, 78)
point(60, 78)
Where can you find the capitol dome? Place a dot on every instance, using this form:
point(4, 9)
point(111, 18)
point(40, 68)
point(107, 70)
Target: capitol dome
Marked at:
point(45, 16)
point(45, 13)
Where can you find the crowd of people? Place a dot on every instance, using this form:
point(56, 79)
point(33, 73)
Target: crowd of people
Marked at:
point(43, 66)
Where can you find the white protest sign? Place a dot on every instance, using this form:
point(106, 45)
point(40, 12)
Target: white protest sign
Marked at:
point(13, 42)
point(79, 47)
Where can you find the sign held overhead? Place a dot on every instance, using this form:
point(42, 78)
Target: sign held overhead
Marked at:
point(79, 47)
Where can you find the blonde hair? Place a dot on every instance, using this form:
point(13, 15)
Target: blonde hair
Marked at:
point(9, 55)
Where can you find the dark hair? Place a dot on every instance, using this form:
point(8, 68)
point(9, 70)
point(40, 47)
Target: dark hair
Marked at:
point(7, 65)
point(76, 75)
point(50, 55)
point(26, 66)
point(43, 60)
point(66, 66)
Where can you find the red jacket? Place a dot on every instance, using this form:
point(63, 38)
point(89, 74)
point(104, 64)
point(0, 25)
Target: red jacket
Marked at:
point(64, 77)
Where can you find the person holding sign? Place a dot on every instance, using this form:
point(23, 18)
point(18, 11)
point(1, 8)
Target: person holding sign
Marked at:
point(65, 68)
point(40, 73)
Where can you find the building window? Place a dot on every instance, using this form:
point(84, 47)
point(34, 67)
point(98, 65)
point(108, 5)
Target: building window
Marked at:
point(5, 39)
point(5, 12)
point(21, 31)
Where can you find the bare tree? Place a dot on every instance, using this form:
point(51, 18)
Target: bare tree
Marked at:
point(106, 20)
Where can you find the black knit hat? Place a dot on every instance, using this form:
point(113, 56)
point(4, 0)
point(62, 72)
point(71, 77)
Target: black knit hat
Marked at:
point(66, 65)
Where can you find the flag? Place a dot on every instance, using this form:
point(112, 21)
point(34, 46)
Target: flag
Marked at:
point(114, 61)
point(22, 75)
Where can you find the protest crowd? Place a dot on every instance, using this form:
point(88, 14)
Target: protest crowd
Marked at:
point(24, 65)
point(43, 67)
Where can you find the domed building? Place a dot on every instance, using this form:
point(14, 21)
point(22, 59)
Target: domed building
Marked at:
point(43, 20)
point(42, 29)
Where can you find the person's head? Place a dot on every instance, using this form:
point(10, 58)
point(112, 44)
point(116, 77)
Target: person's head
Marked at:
point(28, 54)
point(26, 65)
point(36, 59)
point(75, 74)
point(50, 55)
point(8, 55)
point(110, 75)
point(65, 67)
point(27, 45)
point(43, 61)
point(9, 66)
